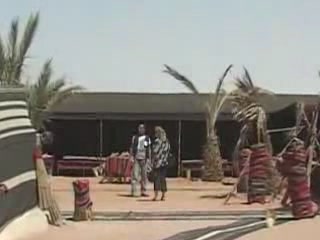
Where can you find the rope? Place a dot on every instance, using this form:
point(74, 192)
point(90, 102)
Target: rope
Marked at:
point(284, 129)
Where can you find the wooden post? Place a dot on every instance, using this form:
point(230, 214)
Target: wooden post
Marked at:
point(310, 159)
point(179, 149)
point(313, 136)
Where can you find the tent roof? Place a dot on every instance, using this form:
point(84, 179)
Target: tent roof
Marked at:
point(177, 105)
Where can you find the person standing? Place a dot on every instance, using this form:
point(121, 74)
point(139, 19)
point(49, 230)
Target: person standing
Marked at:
point(160, 155)
point(140, 150)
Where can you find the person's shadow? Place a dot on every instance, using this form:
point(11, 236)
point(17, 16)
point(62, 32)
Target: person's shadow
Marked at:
point(145, 200)
point(139, 199)
point(125, 195)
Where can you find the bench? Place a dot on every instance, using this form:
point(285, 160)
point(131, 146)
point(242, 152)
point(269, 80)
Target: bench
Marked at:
point(76, 164)
point(196, 165)
point(228, 168)
point(190, 166)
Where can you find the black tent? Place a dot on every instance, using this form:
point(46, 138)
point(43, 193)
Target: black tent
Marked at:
point(97, 123)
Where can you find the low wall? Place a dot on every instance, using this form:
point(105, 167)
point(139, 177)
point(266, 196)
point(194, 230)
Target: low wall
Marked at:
point(31, 223)
point(17, 169)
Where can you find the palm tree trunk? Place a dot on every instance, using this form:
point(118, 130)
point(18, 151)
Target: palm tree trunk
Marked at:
point(213, 170)
point(243, 160)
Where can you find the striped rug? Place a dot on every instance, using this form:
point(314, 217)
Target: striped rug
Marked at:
point(17, 172)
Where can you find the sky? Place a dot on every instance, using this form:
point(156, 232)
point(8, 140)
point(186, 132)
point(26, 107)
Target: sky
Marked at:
point(121, 45)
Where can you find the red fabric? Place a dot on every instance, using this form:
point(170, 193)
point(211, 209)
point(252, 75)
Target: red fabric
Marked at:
point(82, 184)
point(82, 193)
point(119, 166)
point(128, 168)
point(258, 167)
point(37, 154)
point(112, 168)
point(295, 169)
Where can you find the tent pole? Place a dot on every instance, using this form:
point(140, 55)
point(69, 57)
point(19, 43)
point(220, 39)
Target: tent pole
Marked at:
point(179, 149)
point(101, 138)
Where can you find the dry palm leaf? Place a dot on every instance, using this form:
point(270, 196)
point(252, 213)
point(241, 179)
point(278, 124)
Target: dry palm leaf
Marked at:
point(215, 100)
point(218, 99)
point(246, 106)
point(184, 80)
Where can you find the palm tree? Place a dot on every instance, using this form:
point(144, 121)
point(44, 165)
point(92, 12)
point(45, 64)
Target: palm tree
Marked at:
point(252, 116)
point(46, 93)
point(13, 55)
point(247, 109)
point(212, 157)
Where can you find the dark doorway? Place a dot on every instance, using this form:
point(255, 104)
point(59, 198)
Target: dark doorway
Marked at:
point(80, 137)
point(193, 137)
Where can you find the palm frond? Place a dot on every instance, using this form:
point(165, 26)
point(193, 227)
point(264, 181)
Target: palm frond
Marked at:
point(2, 61)
point(216, 111)
point(45, 74)
point(248, 77)
point(12, 49)
point(247, 108)
point(245, 98)
point(241, 141)
point(220, 96)
point(184, 80)
point(261, 124)
point(62, 95)
point(45, 93)
point(41, 94)
point(26, 41)
point(57, 85)
point(13, 38)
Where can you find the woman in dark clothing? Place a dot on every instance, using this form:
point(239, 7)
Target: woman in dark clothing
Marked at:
point(160, 153)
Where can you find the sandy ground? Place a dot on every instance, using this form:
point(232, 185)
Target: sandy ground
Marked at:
point(152, 230)
point(307, 229)
point(183, 195)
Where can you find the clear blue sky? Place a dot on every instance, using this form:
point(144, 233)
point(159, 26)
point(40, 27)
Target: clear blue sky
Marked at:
point(120, 45)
